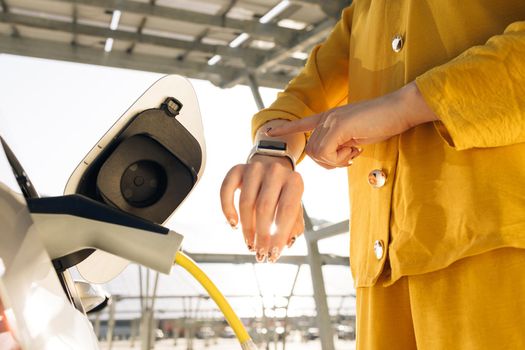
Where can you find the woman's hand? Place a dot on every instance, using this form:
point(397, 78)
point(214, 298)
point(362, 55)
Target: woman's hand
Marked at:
point(338, 133)
point(270, 190)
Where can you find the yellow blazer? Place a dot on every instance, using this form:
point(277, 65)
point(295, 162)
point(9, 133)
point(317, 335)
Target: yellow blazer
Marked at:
point(455, 188)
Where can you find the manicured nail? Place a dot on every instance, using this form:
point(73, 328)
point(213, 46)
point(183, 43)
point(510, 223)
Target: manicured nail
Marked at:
point(274, 254)
point(250, 247)
point(260, 256)
point(291, 241)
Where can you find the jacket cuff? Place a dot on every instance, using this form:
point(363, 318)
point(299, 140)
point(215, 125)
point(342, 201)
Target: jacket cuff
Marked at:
point(266, 115)
point(450, 123)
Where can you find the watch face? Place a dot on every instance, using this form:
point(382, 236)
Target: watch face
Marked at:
point(272, 145)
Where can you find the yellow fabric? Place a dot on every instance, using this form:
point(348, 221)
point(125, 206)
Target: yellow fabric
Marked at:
point(477, 303)
point(454, 189)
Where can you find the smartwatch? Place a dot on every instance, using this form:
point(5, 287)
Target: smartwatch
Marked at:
point(272, 148)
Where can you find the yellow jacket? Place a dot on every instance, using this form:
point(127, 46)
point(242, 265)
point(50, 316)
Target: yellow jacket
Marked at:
point(454, 188)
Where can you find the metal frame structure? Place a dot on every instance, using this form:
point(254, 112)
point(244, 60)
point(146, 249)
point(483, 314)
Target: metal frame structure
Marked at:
point(314, 259)
point(199, 39)
point(173, 36)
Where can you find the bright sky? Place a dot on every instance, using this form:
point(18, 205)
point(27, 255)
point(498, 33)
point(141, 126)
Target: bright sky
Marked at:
point(52, 113)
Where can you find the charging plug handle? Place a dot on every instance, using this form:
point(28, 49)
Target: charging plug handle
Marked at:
point(73, 223)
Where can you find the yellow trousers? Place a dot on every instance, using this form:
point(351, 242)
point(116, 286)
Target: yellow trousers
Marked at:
point(477, 303)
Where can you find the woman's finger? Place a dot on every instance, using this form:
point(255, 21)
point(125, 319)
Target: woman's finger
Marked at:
point(295, 126)
point(251, 184)
point(346, 155)
point(323, 164)
point(286, 214)
point(231, 183)
point(298, 228)
point(265, 208)
point(310, 151)
point(313, 140)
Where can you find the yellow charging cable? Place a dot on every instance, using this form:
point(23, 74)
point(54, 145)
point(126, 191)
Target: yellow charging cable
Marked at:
point(189, 265)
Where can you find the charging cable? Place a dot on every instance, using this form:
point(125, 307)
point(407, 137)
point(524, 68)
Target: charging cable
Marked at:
point(242, 335)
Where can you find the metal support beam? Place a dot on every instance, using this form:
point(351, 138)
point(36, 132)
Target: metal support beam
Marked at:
point(325, 259)
point(228, 296)
point(323, 315)
point(254, 28)
point(285, 321)
point(329, 231)
point(330, 8)
point(148, 312)
point(300, 42)
point(140, 28)
point(263, 308)
point(5, 9)
point(111, 322)
point(252, 82)
point(75, 21)
point(252, 57)
point(96, 326)
point(64, 52)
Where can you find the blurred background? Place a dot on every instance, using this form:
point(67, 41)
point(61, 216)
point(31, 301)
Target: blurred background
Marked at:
point(64, 83)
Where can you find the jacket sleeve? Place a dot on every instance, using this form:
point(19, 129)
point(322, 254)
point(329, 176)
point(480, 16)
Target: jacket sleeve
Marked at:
point(321, 84)
point(479, 96)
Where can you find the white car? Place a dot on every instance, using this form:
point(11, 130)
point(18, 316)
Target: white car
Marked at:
point(36, 313)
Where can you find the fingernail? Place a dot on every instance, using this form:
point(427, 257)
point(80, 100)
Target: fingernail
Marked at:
point(233, 224)
point(274, 255)
point(292, 241)
point(260, 256)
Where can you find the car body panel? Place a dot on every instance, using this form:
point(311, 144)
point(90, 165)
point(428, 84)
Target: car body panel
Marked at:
point(39, 313)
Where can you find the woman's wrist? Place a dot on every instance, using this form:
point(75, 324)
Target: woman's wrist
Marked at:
point(295, 142)
point(271, 159)
point(414, 109)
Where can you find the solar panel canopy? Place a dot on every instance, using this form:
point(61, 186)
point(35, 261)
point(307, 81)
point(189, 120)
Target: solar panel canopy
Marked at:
point(222, 41)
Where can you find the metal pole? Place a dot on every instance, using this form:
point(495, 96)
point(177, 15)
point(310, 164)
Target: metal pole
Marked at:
point(285, 322)
point(134, 329)
point(140, 289)
point(97, 325)
point(323, 315)
point(147, 285)
point(151, 321)
point(146, 330)
point(111, 322)
point(255, 90)
point(265, 319)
